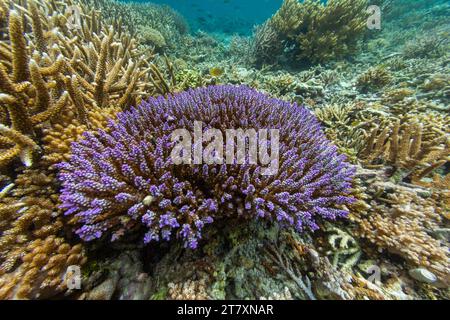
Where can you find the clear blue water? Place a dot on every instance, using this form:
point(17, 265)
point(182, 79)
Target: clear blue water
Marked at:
point(223, 16)
point(240, 16)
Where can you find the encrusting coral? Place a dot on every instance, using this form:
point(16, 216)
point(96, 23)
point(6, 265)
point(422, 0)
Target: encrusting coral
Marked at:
point(123, 180)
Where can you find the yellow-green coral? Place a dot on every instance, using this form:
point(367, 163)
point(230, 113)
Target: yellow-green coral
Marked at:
point(152, 37)
point(320, 32)
point(373, 79)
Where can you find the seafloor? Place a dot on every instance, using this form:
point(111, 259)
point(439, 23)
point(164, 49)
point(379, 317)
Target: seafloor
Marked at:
point(381, 96)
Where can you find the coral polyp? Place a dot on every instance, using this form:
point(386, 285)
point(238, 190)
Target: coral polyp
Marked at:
point(123, 179)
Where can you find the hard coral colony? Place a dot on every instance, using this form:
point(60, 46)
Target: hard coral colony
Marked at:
point(123, 178)
point(92, 91)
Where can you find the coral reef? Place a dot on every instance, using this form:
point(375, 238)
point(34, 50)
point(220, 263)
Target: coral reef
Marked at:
point(138, 17)
point(152, 37)
point(265, 45)
point(404, 220)
point(34, 250)
point(381, 97)
point(405, 146)
point(374, 78)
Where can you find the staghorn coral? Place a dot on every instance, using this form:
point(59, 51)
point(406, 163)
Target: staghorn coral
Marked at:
point(135, 16)
point(374, 79)
point(318, 32)
point(42, 271)
point(120, 181)
point(265, 46)
point(406, 146)
point(31, 223)
point(423, 47)
point(48, 67)
point(33, 255)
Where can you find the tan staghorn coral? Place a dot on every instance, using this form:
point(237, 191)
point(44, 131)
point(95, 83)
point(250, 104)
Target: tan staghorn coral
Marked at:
point(406, 147)
point(42, 271)
point(374, 79)
point(74, 80)
point(135, 17)
point(33, 258)
point(49, 67)
point(265, 46)
point(57, 140)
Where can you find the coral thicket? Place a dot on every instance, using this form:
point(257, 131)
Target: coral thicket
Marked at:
point(48, 68)
point(314, 31)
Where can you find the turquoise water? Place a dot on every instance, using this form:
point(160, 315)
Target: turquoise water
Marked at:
point(223, 16)
point(240, 16)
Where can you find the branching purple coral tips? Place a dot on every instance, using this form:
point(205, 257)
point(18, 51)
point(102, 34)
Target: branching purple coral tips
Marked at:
point(123, 180)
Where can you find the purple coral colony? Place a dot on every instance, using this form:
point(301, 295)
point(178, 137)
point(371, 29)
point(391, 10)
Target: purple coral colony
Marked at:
point(122, 178)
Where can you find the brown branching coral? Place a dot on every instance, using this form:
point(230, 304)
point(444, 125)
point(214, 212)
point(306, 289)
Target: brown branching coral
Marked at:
point(402, 220)
point(49, 67)
point(135, 17)
point(265, 46)
point(34, 256)
point(373, 79)
point(55, 84)
point(320, 32)
point(404, 147)
point(43, 269)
